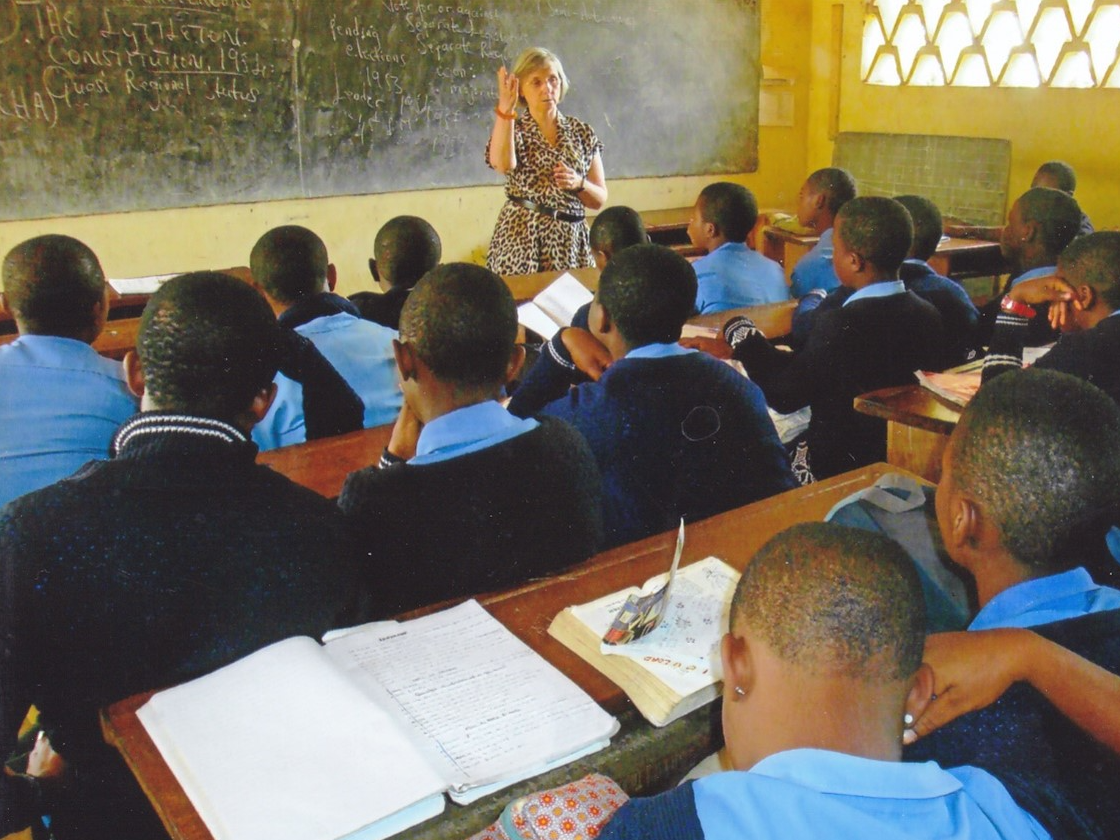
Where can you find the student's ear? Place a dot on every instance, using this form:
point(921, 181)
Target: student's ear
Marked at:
point(332, 276)
point(373, 271)
point(964, 521)
point(606, 323)
point(262, 402)
point(516, 360)
point(1031, 232)
point(738, 669)
point(134, 374)
point(601, 258)
point(921, 692)
point(1087, 296)
point(405, 354)
point(4, 304)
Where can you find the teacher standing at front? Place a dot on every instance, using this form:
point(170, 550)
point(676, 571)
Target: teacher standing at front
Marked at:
point(553, 171)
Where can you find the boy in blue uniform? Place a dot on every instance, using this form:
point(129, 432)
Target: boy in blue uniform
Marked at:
point(404, 250)
point(60, 402)
point(822, 669)
point(290, 265)
point(1030, 483)
point(879, 336)
point(467, 497)
point(731, 274)
point(820, 199)
point(675, 432)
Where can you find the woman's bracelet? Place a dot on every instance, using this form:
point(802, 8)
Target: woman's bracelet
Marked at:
point(498, 110)
point(582, 183)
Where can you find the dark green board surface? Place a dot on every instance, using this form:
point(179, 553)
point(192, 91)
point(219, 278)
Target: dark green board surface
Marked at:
point(143, 104)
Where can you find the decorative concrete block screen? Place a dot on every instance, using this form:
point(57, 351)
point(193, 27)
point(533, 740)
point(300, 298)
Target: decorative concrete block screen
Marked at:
point(985, 43)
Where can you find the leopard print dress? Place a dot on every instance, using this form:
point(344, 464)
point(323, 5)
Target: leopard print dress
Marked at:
point(524, 240)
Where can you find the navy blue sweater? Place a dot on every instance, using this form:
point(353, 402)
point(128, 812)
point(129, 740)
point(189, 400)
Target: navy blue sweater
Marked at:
point(178, 556)
point(1092, 355)
point(1067, 780)
point(679, 436)
point(869, 344)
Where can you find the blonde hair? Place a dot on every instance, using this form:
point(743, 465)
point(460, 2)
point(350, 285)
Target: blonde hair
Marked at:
point(534, 59)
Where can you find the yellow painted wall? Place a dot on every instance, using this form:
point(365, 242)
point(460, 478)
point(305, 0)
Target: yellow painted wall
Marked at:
point(1077, 126)
point(135, 244)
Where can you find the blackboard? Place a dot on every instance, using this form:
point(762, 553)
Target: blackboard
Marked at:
point(141, 104)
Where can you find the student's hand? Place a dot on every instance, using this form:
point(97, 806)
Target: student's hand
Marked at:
point(509, 89)
point(587, 352)
point(406, 432)
point(1049, 289)
point(43, 762)
point(971, 670)
point(712, 346)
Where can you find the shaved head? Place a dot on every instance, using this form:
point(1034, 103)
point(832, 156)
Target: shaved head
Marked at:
point(53, 284)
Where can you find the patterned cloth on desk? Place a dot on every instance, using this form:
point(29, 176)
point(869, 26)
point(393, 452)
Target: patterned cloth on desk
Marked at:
point(576, 811)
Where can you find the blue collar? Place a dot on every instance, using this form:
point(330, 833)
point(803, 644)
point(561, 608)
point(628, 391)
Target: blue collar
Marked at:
point(1041, 271)
point(731, 246)
point(658, 351)
point(886, 288)
point(851, 775)
point(1043, 600)
point(316, 306)
point(466, 430)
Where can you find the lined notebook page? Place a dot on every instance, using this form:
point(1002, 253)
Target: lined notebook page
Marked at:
point(281, 746)
point(490, 708)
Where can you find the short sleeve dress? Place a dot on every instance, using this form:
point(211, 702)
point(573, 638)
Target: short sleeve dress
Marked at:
point(525, 240)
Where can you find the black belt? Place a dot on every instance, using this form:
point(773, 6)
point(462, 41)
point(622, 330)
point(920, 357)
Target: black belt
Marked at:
point(546, 211)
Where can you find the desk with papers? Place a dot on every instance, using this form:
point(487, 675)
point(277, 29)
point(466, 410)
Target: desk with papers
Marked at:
point(641, 758)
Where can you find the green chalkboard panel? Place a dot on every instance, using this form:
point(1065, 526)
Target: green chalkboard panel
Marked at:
point(140, 104)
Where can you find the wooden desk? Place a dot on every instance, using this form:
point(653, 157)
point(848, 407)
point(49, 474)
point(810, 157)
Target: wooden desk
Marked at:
point(641, 757)
point(955, 257)
point(527, 286)
point(322, 465)
point(115, 340)
point(918, 426)
point(774, 319)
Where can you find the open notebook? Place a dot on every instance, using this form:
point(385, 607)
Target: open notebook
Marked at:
point(554, 307)
point(362, 736)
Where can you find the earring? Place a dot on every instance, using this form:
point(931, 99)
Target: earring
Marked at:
point(908, 720)
point(739, 691)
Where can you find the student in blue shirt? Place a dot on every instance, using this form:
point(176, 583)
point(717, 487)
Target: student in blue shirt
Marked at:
point(820, 199)
point(675, 432)
point(60, 402)
point(1084, 299)
point(1030, 483)
point(291, 267)
point(1059, 175)
point(731, 274)
point(467, 497)
point(959, 315)
point(404, 250)
point(1042, 222)
point(822, 669)
point(877, 338)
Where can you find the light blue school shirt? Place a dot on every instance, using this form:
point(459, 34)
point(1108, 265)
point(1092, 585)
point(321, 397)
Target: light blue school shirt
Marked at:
point(733, 275)
point(466, 430)
point(658, 351)
point(60, 404)
point(888, 288)
point(819, 793)
point(1057, 597)
point(814, 270)
point(1041, 271)
point(362, 353)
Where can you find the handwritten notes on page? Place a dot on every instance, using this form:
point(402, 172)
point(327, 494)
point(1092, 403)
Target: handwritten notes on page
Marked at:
point(488, 708)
